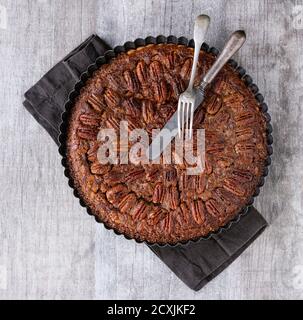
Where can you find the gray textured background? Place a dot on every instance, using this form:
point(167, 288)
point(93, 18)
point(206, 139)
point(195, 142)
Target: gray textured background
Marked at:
point(49, 246)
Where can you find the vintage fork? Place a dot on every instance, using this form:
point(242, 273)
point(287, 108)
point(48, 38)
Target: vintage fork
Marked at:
point(233, 44)
point(186, 99)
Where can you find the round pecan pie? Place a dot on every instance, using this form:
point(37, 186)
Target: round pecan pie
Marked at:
point(161, 203)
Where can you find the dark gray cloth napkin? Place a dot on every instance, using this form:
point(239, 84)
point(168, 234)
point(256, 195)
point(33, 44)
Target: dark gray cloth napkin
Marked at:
point(195, 263)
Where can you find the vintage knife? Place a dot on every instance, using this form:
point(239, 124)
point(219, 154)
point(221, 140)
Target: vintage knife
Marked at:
point(164, 138)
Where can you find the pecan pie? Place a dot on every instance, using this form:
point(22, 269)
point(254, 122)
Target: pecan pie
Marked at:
point(160, 203)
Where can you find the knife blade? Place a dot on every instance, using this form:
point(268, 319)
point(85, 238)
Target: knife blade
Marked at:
point(169, 131)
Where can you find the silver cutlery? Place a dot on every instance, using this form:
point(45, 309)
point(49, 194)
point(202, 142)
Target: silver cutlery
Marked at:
point(187, 98)
point(170, 130)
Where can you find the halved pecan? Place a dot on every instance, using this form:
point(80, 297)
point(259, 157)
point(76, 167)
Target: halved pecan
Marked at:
point(142, 73)
point(233, 101)
point(111, 98)
point(114, 82)
point(98, 168)
point(147, 111)
point(155, 70)
point(177, 85)
point(139, 212)
point(158, 193)
point(112, 122)
point(243, 147)
point(241, 175)
point(200, 183)
point(134, 175)
point(89, 120)
point(171, 198)
point(132, 123)
point(87, 133)
point(214, 104)
point(127, 202)
point(186, 69)
point(166, 223)
point(244, 133)
point(96, 102)
point(198, 211)
point(243, 119)
point(116, 193)
point(234, 187)
point(160, 91)
point(199, 117)
point(156, 215)
point(224, 196)
point(173, 59)
point(213, 208)
point(131, 107)
point(219, 85)
point(92, 152)
point(131, 81)
point(184, 212)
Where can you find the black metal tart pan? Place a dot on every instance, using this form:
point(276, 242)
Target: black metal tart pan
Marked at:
point(131, 45)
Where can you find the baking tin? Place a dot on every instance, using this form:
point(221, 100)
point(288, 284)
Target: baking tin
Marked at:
point(131, 45)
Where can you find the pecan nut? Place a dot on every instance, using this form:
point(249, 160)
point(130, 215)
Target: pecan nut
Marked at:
point(213, 208)
point(244, 133)
point(241, 175)
point(98, 168)
point(115, 194)
point(87, 133)
point(234, 187)
point(158, 193)
point(142, 73)
point(186, 69)
point(198, 211)
point(127, 202)
point(139, 212)
point(214, 104)
point(134, 175)
point(89, 120)
point(131, 107)
point(156, 215)
point(155, 70)
point(111, 98)
point(160, 91)
point(96, 102)
point(131, 81)
point(171, 198)
point(243, 147)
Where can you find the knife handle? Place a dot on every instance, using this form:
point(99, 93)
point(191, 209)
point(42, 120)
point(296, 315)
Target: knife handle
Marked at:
point(234, 43)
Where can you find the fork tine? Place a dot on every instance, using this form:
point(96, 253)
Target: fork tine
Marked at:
point(191, 121)
point(180, 106)
point(186, 119)
point(182, 118)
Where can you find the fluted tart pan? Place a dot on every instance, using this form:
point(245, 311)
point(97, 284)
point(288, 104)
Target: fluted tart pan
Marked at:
point(102, 60)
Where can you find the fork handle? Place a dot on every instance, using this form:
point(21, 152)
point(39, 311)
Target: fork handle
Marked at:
point(234, 43)
point(200, 29)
